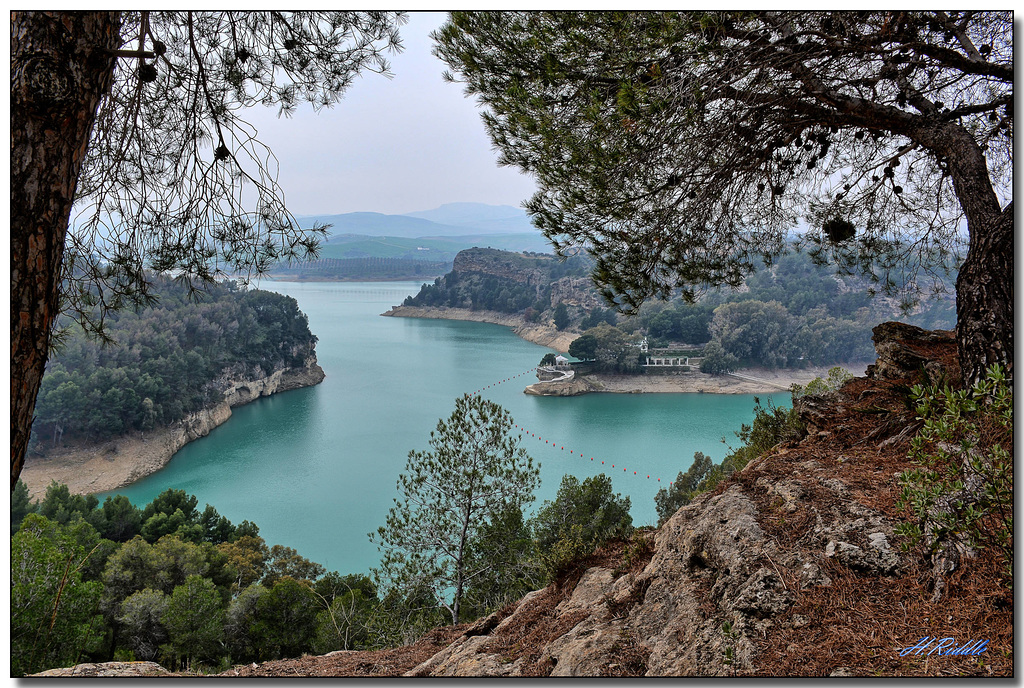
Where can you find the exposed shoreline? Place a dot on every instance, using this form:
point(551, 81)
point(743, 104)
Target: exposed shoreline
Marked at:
point(768, 381)
point(545, 335)
point(87, 468)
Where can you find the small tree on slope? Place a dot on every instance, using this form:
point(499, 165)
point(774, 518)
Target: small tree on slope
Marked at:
point(476, 471)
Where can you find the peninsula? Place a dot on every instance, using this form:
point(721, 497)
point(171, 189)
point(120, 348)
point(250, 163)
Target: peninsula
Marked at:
point(785, 326)
point(107, 416)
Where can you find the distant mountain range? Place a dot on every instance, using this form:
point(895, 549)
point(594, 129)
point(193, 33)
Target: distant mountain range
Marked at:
point(381, 246)
point(452, 219)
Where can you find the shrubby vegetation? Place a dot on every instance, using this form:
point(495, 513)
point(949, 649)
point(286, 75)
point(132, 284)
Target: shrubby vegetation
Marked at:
point(184, 586)
point(167, 360)
point(582, 517)
point(457, 533)
point(791, 313)
point(771, 425)
point(961, 492)
point(607, 348)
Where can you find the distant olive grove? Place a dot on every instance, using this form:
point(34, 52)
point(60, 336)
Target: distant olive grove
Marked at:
point(166, 360)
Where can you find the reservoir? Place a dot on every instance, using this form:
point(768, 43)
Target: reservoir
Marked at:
point(316, 468)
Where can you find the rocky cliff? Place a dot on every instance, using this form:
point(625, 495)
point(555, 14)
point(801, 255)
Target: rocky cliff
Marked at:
point(515, 267)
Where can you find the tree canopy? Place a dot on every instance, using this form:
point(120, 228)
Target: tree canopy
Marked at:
point(475, 473)
point(170, 360)
point(681, 148)
point(134, 119)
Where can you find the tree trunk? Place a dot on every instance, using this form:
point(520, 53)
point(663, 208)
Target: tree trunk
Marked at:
point(984, 300)
point(984, 285)
point(61, 65)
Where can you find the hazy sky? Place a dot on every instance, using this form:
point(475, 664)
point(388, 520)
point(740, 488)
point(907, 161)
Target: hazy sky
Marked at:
point(412, 142)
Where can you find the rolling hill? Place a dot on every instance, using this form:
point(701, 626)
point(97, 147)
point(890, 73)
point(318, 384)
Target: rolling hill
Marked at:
point(453, 219)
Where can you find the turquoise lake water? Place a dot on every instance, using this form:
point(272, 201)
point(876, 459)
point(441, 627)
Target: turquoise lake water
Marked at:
point(315, 468)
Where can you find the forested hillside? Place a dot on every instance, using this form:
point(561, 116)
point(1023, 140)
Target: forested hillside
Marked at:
point(166, 361)
point(503, 281)
point(186, 587)
point(790, 314)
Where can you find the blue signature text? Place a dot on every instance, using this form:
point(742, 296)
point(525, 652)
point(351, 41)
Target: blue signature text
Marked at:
point(945, 647)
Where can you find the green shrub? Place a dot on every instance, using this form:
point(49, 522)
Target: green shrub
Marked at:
point(686, 486)
point(962, 487)
point(836, 378)
point(582, 518)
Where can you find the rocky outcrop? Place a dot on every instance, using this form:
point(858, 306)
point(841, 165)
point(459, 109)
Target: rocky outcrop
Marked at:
point(575, 291)
point(906, 352)
point(562, 388)
point(712, 564)
point(107, 670)
point(503, 264)
point(238, 392)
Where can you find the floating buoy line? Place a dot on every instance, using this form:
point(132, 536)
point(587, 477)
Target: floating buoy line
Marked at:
point(555, 445)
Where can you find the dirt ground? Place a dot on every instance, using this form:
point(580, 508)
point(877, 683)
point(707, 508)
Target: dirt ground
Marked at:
point(88, 468)
point(765, 381)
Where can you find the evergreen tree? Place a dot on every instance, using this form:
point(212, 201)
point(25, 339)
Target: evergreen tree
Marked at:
point(124, 519)
point(194, 620)
point(55, 617)
point(135, 118)
point(561, 317)
point(21, 505)
point(475, 471)
point(142, 628)
point(680, 148)
point(591, 506)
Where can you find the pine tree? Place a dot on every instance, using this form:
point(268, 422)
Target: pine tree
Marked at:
point(475, 472)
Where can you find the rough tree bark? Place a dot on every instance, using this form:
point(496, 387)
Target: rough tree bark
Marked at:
point(984, 284)
point(61, 65)
point(984, 300)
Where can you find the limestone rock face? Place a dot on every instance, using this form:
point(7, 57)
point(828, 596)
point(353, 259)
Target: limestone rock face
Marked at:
point(107, 670)
point(497, 263)
point(575, 291)
point(709, 552)
point(903, 352)
point(238, 392)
